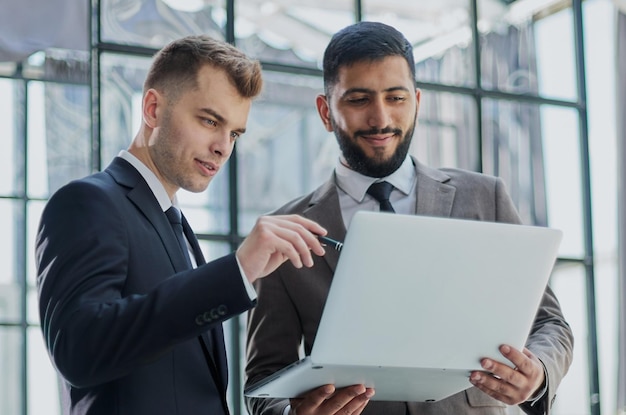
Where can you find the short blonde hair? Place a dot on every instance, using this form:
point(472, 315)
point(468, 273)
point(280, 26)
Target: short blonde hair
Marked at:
point(175, 67)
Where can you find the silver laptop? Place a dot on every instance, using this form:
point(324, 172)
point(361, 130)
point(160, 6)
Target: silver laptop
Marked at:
point(417, 301)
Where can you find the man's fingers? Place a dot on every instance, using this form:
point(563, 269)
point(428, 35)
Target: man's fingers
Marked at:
point(276, 239)
point(327, 400)
point(348, 400)
point(511, 385)
point(316, 397)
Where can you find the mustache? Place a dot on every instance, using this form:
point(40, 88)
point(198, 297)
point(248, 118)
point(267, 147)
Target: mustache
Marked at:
point(373, 131)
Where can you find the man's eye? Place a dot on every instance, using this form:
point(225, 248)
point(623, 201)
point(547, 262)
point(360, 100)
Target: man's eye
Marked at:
point(234, 135)
point(357, 100)
point(398, 99)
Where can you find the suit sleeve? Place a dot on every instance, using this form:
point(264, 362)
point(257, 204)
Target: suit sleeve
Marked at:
point(551, 338)
point(87, 255)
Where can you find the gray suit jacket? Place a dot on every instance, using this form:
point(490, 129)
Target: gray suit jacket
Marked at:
point(291, 301)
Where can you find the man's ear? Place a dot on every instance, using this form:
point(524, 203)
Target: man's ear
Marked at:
point(323, 108)
point(150, 104)
point(418, 99)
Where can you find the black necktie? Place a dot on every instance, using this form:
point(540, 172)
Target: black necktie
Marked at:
point(175, 218)
point(381, 191)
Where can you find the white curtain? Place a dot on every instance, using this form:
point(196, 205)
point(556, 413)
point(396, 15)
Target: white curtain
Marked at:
point(621, 143)
point(33, 25)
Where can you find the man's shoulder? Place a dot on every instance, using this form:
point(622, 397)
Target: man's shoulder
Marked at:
point(455, 172)
point(323, 194)
point(96, 188)
point(92, 183)
point(119, 172)
point(457, 176)
point(297, 205)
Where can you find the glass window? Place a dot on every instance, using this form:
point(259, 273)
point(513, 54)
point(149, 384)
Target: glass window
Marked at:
point(43, 383)
point(519, 40)
point(561, 158)
point(10, 366)
point(9, 245)
point(290, 32)
point(213, 249)
point(286, 151)
point(568, 283)
point(59, 131)
point(11, 126)
point(7, 68)
point(157, 22)
point(600, 21)
point(555, 49)
point(446, 133)
point(535, 149)
point(122, 78)
point(513, 150)
point(34, 210)
point(208, 211)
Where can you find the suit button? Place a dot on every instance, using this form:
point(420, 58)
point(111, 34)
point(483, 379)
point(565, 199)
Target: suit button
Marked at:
point(211, 315)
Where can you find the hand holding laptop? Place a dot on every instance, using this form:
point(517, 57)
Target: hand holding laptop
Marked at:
point(511, 385)
point(426, 334)
point(326, 399)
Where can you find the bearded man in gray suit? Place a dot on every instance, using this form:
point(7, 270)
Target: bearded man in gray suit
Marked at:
point(371, 103)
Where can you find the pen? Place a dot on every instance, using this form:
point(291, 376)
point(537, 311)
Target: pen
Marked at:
point(330, 242)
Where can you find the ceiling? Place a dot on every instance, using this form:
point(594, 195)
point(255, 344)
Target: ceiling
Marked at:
point(30, 26)
point(304, 29)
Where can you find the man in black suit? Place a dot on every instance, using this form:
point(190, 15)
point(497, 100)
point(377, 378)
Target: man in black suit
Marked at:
point(131, 318)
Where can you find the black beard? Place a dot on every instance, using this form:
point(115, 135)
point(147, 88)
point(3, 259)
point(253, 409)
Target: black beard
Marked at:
point(373, 167)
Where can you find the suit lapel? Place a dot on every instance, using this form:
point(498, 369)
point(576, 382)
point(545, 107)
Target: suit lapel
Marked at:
point(142, 197)
point(434, 196)
point(324, 208)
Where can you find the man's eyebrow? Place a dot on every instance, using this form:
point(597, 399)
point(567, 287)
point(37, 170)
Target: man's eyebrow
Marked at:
point(213, 113)
point(358, 91)
point(221, 119)
point(371, 91)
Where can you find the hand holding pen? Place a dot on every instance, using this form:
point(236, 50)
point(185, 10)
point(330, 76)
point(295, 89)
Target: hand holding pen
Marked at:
point(330, 242)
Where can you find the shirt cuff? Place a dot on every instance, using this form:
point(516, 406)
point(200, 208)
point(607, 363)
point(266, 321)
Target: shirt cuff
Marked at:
point(249, 287)
point(540, 395)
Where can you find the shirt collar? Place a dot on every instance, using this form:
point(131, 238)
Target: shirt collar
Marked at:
point(356, 184)
point(153, 182)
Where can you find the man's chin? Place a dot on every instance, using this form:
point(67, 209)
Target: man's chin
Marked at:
point(196, 187)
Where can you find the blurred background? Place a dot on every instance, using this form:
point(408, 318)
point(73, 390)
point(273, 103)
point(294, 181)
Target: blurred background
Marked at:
point(528, 90)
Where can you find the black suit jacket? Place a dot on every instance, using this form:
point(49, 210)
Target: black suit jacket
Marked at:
point(130, 329)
